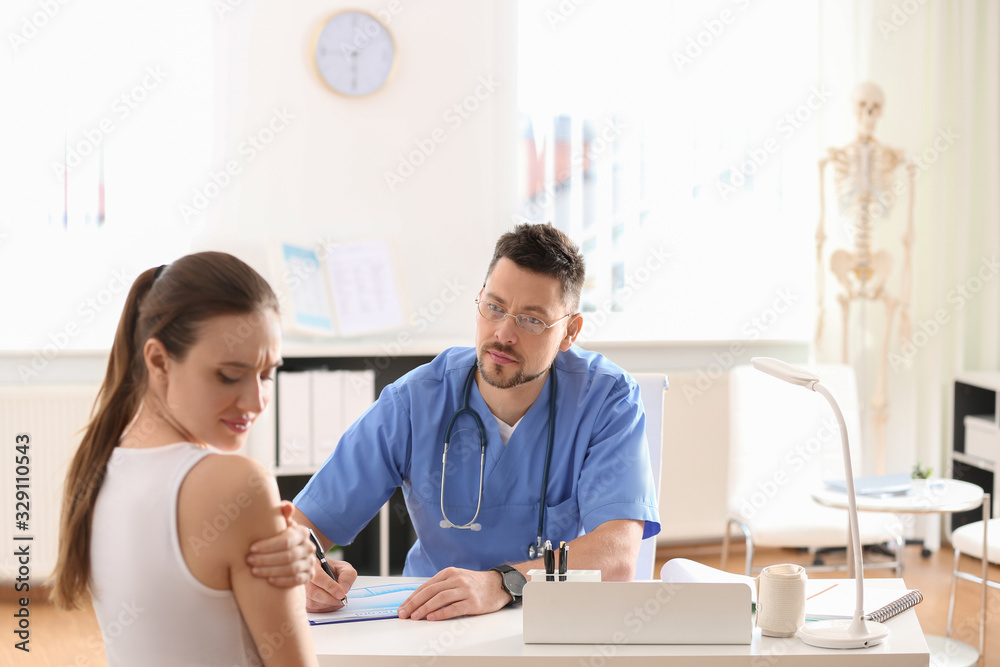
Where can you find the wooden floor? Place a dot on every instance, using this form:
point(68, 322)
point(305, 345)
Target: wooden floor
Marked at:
point(64, 639)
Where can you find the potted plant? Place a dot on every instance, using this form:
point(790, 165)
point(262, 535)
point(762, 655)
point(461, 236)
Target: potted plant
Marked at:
point(919, 476)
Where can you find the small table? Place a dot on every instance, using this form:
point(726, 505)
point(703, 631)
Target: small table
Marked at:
point(938, 496)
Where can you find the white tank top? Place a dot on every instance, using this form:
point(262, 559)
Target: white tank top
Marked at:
point(151, 609)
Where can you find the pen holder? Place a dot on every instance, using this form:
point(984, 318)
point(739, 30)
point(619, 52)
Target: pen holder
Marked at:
point(571, 575)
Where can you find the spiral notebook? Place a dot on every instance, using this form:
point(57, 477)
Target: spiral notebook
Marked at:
point(837, 601)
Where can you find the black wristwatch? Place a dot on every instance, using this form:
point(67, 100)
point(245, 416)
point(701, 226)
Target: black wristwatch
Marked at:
point(513, 581)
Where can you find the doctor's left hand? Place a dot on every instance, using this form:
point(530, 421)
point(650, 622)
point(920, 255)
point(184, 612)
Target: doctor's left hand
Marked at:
point(286, 559)
point(456, 592)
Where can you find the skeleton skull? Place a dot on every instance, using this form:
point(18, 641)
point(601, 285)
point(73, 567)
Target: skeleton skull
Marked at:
point(867, 101)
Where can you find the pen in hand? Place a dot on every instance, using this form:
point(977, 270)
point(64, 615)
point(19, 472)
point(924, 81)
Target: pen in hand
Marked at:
point(322, 557)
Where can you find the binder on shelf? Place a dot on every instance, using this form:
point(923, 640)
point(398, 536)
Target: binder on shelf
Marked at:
point(328, 422)
point(359, 394)
point(294, 419)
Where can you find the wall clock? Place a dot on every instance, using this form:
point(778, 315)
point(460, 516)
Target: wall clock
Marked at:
point(354, 53)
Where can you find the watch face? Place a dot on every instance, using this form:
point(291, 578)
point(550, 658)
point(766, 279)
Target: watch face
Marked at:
point(514, 582)
point(354, 53)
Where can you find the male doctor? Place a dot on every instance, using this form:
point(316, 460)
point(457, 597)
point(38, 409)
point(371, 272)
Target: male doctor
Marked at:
point(476, 513)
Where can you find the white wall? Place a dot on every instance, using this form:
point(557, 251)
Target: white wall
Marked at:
point(323, 178)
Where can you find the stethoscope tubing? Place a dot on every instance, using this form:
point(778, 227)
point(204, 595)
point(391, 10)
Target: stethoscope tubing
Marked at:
point(465, 409)
point(533, 549)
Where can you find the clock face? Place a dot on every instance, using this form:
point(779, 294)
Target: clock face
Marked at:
point(355, 54)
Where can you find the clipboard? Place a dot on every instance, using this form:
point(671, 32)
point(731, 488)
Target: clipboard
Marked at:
point(368, 604)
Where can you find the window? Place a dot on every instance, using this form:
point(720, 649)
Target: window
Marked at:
point(677, 144)
point(110, 118)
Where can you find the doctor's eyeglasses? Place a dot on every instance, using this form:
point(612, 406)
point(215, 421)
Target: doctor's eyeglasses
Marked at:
point(496, 313)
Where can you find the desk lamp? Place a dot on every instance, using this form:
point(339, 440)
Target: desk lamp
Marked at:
point(841, 633)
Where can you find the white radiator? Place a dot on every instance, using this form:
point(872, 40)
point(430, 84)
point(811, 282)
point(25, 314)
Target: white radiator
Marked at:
point(53, 417)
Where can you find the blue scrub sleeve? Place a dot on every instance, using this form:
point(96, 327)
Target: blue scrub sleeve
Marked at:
point(616, 481)
point(361, 474)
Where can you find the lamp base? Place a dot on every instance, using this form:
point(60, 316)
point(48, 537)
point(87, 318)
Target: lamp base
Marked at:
point(838, 634)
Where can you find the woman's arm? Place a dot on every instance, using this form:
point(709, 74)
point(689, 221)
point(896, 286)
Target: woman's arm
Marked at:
point(286, 559)
point(238, 495)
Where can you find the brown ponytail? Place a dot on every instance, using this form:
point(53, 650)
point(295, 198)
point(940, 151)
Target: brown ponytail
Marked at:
point(168, 307)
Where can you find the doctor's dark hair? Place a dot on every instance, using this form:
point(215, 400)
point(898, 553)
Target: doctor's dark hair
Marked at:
point(169, 303)
point(546, 250)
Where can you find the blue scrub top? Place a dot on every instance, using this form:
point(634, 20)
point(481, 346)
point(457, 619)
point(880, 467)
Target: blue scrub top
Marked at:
point(600, 464)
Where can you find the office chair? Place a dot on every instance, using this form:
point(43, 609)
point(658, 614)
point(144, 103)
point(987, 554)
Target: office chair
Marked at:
point(968, 540)
point(651, 389)
point(783, 444)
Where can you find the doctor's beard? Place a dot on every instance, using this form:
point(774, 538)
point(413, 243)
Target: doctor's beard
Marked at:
point(515, 380)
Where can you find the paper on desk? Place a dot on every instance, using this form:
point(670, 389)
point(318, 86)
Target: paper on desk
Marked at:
point(684, 571)
point(367, 604)
point(838, 601)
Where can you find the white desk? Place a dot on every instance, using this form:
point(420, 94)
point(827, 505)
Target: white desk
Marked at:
point(938, 496)
point(495, 639)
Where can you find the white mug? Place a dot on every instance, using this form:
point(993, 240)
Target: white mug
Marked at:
point(781, 600)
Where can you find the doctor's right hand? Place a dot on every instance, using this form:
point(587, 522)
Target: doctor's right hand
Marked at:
point(325, 594)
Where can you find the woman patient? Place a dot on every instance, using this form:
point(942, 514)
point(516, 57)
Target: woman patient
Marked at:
point(159, 513)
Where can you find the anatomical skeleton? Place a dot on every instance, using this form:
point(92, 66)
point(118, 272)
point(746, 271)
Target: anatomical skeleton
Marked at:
point(863, 173)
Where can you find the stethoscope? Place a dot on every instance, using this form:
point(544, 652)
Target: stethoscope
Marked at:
point(533, 549)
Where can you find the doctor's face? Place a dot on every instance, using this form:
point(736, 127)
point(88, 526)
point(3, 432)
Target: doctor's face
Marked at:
point(507, 355)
